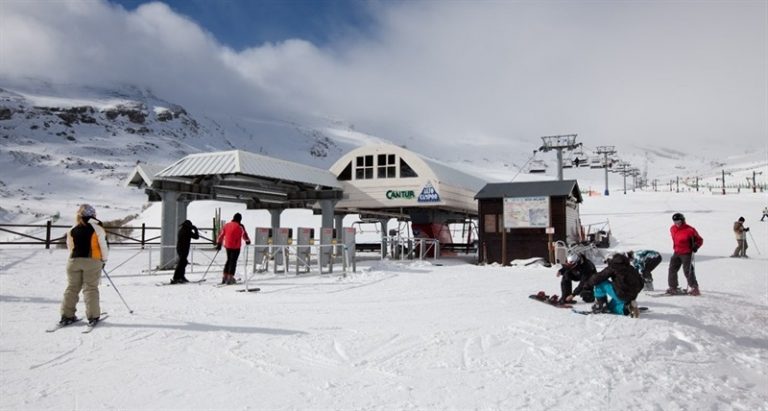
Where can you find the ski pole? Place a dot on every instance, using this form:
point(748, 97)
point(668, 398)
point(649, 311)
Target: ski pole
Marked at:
point(209, 266)
point(116, 290)
point(754, 242)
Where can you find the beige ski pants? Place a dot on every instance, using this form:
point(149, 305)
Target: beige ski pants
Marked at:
point(82, 274)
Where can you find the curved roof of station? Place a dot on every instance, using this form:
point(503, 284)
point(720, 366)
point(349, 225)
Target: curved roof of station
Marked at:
point(423, 166)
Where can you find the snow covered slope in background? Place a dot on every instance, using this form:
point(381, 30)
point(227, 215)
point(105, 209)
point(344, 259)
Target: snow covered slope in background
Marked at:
point(61, 145)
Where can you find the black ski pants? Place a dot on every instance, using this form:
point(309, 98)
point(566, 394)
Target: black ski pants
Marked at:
point(649, 266)
point(684, 260)
point(231, 265)
point(181, 264)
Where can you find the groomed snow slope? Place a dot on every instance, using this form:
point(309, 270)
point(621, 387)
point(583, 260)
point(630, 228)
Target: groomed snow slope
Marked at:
point(411, 335)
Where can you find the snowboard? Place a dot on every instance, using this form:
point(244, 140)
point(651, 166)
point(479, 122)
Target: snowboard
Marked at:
point(589, 312)
point(546, 300)
point(250, 290)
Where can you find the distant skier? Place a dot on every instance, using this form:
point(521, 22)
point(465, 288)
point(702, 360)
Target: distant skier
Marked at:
point(685, 242)
point(231, 237)
point(644, 262)
point(765, 213)
point(187, 232)
point(616, 287)
point(576, 268)
point(87, 245)
point(741, 238)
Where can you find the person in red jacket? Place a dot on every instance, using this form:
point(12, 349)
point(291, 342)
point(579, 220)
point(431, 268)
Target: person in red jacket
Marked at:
point(685, 241)
point(231, 237)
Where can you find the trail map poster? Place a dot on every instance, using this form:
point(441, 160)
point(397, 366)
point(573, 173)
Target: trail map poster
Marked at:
point(526, 212)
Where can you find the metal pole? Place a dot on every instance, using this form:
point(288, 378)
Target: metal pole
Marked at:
point(209, 267)
point(754, 242)
point(605, 164)
point(560, 164)
point(723, 181)
point(116, 290)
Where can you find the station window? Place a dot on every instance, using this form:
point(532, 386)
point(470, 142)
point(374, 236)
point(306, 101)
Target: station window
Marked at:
point(406, 170)
point(364, 168)
point(387, 168)
point(346, 174)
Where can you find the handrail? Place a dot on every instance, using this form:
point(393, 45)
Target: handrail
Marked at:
point(115, 235)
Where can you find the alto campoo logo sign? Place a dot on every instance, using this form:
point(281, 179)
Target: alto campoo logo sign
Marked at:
point(428, 194)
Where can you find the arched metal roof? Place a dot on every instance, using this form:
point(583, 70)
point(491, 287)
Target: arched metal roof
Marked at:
point(375, 181)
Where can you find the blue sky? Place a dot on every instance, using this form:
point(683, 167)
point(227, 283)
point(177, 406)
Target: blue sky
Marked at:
point(247, 23)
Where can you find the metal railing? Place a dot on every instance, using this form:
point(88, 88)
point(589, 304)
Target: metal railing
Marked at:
point(50, 234)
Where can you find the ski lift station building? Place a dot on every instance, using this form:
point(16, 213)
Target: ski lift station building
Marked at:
point(386, 181)
point(379, 182)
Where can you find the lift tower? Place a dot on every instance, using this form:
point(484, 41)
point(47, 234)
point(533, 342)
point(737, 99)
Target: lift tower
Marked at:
point(559, 143)
point(606, 151)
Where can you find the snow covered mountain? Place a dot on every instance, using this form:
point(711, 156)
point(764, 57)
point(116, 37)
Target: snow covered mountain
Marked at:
point(64, 144)
point(60, 143)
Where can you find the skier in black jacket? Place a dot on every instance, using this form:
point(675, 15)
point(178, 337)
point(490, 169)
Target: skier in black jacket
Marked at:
point(577, 267)
point(187, 232)
point(619, 281)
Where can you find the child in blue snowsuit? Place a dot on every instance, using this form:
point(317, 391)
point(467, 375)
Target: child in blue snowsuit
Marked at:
point(616, 287)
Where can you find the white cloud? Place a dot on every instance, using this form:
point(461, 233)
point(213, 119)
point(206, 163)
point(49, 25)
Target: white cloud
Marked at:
point(676, 74)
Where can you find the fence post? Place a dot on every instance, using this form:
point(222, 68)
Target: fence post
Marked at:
point(143, 228)
point(48, 234)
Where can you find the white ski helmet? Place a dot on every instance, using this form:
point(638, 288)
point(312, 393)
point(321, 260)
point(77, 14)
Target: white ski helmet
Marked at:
point(572, 259)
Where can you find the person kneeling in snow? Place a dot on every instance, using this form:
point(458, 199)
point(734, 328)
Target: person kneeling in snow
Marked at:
point(576, 268)
point(619, 281)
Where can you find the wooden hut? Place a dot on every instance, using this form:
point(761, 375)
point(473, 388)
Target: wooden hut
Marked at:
point(520, 220)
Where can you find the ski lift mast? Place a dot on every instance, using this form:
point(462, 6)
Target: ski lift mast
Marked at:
point(606, 151)
point(559, 143)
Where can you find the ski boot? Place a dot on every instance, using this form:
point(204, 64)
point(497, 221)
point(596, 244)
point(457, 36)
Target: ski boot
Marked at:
point(67, 320)
point(600, 306)
point(634, 310)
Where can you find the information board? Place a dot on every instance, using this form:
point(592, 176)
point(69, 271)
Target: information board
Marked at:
point(526, 212)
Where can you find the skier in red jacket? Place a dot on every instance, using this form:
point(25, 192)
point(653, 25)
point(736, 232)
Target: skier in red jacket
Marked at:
point(685, 241)
point(231, 237)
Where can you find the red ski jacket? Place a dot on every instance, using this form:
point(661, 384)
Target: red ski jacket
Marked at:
point(685, 239)
point(232, 234)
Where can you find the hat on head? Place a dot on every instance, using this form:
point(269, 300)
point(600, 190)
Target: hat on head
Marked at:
point(237, 217)
point(678, 217)
point(86, 210)
point(741, 219)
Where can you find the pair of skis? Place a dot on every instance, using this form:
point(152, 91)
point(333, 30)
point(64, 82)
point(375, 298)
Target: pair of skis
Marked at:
point(88, 327)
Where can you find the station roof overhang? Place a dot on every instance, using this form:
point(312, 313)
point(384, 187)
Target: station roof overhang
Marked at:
point(260, 182)
point(566, 188)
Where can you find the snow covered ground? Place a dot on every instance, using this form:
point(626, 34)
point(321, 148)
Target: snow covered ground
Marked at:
point(401, 335)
